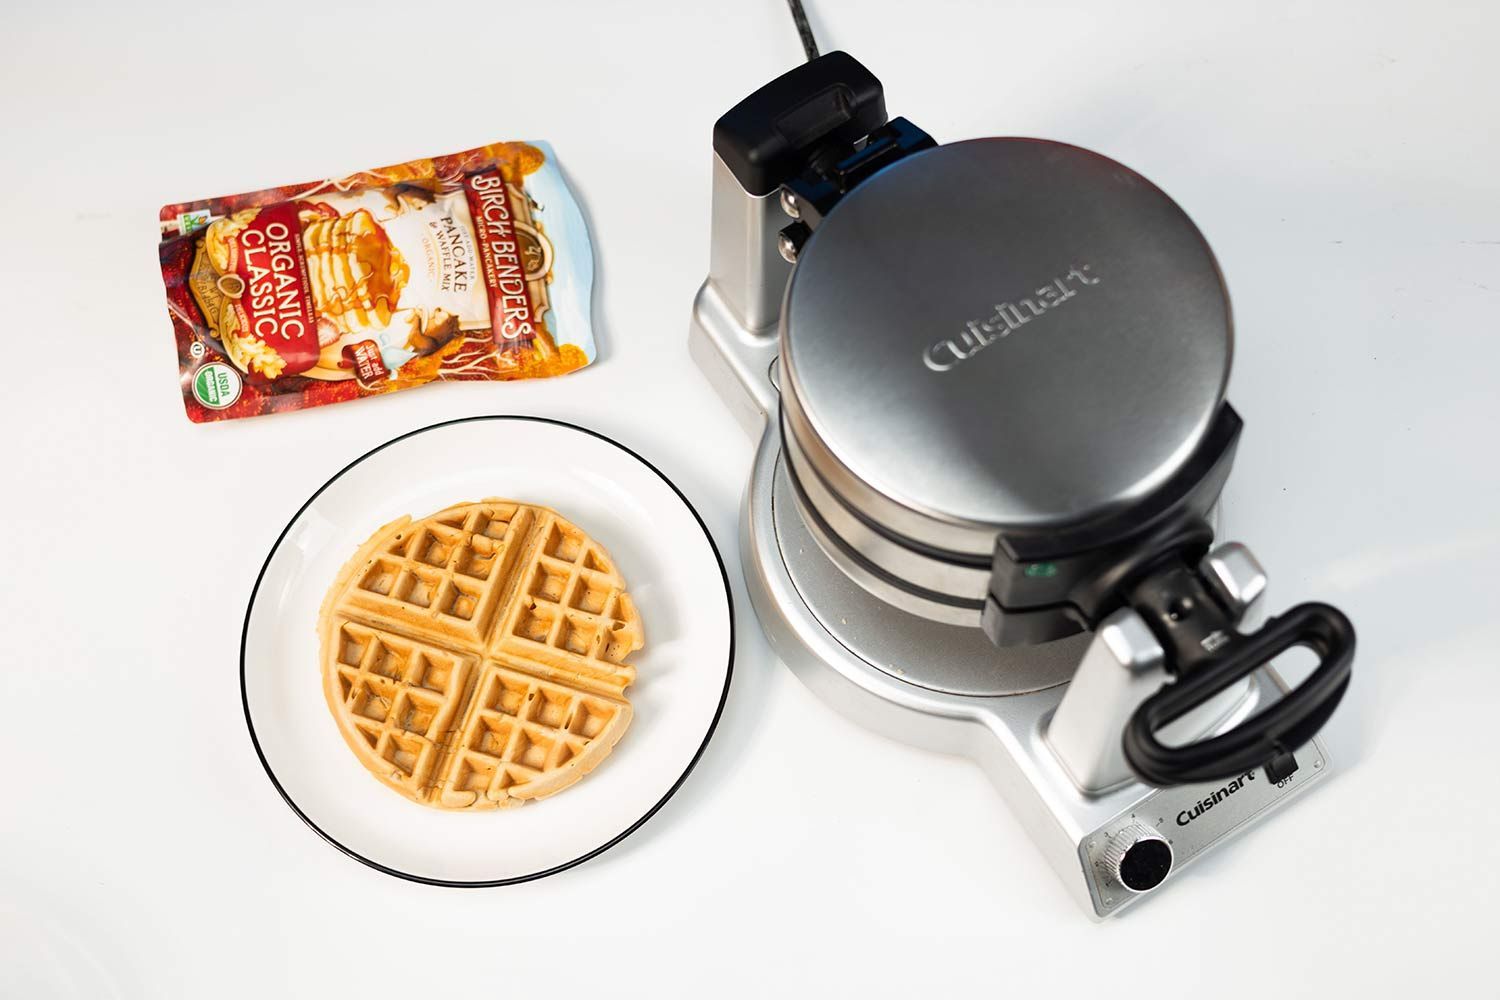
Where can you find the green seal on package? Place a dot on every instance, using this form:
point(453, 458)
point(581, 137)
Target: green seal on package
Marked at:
point(216, 385)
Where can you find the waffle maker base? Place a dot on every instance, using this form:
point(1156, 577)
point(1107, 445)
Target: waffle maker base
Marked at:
point(945, 687)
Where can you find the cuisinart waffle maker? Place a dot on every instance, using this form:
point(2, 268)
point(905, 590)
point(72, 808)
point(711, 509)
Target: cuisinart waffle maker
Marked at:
point(988, 378)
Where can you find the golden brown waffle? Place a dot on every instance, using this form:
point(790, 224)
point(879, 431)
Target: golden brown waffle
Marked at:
point(476, 658)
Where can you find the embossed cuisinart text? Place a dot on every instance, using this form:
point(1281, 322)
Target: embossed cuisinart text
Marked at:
point(1204, 805)
point(1007, 318)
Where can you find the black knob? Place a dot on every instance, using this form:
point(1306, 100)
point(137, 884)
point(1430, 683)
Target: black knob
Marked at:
point(1138, 858)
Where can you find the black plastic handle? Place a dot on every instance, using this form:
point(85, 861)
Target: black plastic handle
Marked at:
point(1284, 726)
point(767, 139)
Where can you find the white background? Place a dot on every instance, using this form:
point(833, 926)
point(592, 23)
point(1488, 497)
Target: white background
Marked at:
point(1342, 160)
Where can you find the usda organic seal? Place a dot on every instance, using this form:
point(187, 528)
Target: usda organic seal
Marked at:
point(216, 385)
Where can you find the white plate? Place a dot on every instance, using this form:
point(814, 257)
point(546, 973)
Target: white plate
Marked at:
point(670, 565)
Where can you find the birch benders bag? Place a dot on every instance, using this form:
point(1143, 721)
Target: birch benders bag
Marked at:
point(473, 266)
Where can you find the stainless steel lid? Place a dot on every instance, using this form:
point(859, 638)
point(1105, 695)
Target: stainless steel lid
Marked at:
point(1001, 335)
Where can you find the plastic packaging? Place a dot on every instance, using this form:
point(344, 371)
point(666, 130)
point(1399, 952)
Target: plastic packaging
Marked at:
point(472, 266)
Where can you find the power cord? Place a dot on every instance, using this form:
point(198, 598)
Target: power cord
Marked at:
point(804, 30)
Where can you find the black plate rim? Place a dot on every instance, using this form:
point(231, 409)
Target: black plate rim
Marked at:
point(564, 866)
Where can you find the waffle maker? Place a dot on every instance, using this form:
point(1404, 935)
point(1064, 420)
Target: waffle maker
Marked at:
point(988, 379)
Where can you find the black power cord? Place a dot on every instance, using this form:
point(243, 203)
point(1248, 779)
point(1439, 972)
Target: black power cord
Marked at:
point(804, 30)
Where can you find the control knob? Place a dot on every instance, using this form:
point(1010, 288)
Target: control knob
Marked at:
point(1138, 858)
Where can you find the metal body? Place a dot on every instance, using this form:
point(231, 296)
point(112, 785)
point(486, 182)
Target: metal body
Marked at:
point(1125, 664)
point(943, 686)
point(897, 695)
point(741, 300)
point(934, 401)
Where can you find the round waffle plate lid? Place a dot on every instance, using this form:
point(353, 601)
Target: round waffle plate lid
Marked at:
point(1008, 333)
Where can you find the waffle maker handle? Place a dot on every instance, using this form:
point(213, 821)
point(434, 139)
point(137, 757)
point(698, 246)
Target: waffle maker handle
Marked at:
point(1206, 657)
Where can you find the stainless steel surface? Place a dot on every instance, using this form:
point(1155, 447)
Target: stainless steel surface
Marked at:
point(950, 658)
point(1004, 734)
point(742, 258)
point(1124, 665)
point(787, 247)
point(790, 205)
point(964, 539)
point(733, 359)
point(1236, 577)
point(1195, 818)
point(865, 668)
point(1102, 317)
point(1120, 845)
point(954, 580)
point(874, 584)
point(734, 336)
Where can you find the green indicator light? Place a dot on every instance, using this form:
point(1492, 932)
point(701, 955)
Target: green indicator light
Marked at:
point(1042, 569)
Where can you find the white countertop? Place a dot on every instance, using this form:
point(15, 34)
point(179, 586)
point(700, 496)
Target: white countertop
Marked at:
point(1342, 160)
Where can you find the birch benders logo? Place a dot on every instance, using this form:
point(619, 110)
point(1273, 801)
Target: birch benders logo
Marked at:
point(1007, 318)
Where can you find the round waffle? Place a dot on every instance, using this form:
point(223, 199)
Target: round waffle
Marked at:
point(475, 659)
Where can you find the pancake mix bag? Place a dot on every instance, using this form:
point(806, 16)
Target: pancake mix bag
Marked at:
point(469, 267)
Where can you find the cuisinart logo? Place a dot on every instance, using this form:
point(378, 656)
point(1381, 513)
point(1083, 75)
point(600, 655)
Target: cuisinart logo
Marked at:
point(1007, 318)
point(1204, 805)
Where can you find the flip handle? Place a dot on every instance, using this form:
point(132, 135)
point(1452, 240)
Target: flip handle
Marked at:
point(770, 136)
point(1282, 727)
